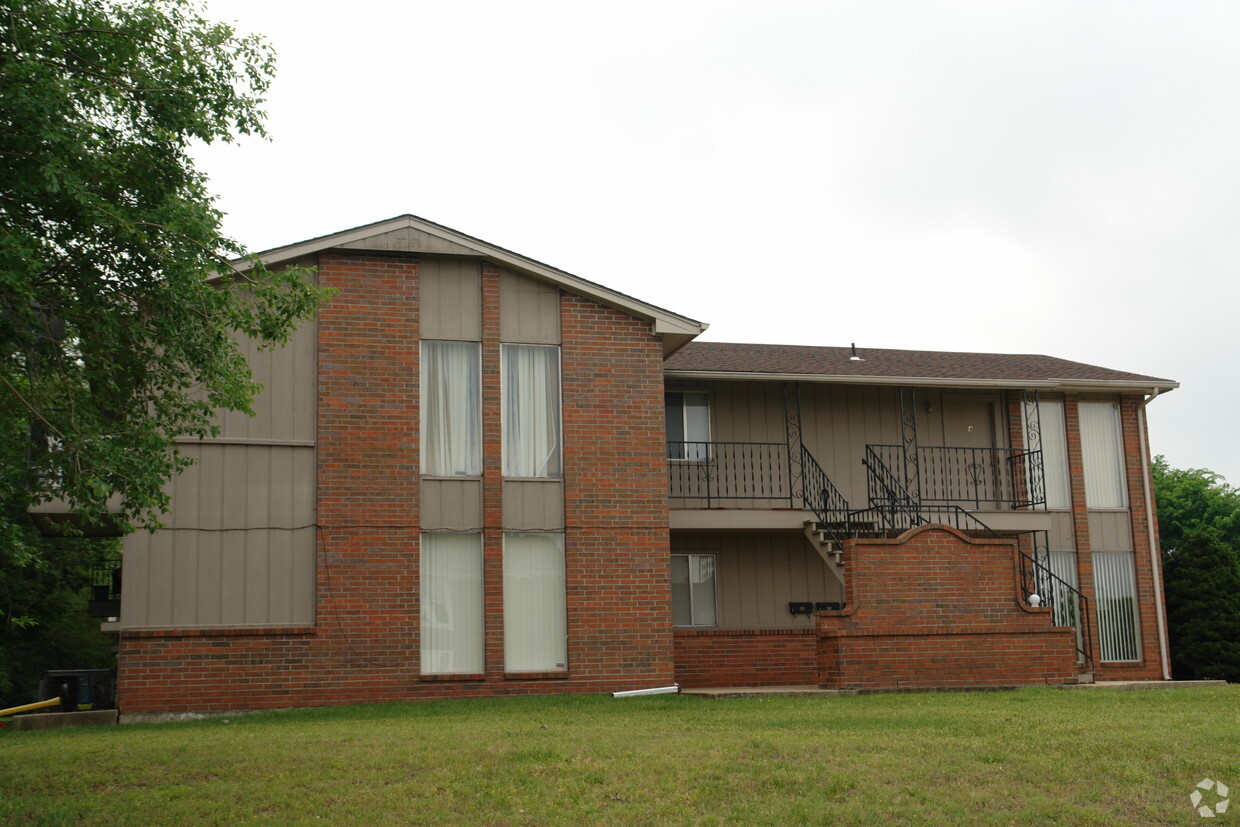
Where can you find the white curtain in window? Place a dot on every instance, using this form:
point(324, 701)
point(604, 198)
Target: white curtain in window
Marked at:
point(451, 413)
point(1115, 591)
point(1054, 453)
point(535, 630)
point(452, 604)
point(1103, 453)
point(531, 402)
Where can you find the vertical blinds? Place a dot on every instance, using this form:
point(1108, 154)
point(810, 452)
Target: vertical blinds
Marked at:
point(1054, 453)
point(1103, 454)
point(1116, 596)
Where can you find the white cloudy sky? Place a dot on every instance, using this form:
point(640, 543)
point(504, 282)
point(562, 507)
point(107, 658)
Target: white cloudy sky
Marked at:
point(1048, 177)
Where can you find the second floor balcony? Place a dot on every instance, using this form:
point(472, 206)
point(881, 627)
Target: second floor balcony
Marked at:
point(769, 475)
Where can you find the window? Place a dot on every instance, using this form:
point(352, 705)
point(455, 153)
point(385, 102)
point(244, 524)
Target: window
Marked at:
point(693, 590)
point(688, 425)
point(452, 604)
point(1054, 453)
point(451, 411)
point(535, 624)
point(1115, 593)
point(531, 404)
point(1103, 453)
point(1055, 592)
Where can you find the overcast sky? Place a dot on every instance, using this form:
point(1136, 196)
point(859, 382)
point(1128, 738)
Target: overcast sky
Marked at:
point(1038, 177)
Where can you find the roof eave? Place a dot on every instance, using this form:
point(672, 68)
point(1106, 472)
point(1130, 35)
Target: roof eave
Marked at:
point(665, 321)
point(1085, 385)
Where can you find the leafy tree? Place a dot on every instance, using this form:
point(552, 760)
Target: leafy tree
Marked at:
point(1192, 499)
point(115, 338)
point(1199, 526)
point(1202, 580)
point(43, 614)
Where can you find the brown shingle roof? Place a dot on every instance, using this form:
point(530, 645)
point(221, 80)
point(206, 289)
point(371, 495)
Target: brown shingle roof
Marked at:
point(729, 357)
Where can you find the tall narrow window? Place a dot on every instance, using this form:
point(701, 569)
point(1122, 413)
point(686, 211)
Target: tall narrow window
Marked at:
point(1054, 453)
point(688, 424)
point(693, 590)
point(535, 630)
point(531, 402)
point(1055, 590)
point(1116, 598)
point(451, 413)
point(1103, 452)
point(452, 604)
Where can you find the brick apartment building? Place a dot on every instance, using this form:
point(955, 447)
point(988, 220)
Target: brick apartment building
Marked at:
point(474, 474)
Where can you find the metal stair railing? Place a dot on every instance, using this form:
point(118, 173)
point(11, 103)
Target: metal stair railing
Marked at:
point(823, 499)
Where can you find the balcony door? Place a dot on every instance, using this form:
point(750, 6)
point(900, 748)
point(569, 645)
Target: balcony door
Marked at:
point(969, 467)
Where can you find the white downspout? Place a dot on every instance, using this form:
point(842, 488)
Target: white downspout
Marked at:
point(1152, 527)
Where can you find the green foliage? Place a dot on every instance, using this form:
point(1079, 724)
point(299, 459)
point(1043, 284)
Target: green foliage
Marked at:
point(115, 339)
point(1193, 499)
point(43, 619)
point(1202, 582)
point(1199, 525)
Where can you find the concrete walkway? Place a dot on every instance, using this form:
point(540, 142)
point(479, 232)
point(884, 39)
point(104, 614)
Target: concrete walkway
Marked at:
point(815, 692)
point(1142, 684)
point(766, 692)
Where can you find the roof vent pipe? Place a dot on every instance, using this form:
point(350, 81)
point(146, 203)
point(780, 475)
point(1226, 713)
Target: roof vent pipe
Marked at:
point(855, 357)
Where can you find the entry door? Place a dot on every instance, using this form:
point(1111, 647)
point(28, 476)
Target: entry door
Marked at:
point(974, 472)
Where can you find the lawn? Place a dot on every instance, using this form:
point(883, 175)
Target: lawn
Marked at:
point(1033, 756)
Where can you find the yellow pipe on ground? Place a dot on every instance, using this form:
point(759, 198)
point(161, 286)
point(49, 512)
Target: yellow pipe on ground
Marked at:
point(40, 705)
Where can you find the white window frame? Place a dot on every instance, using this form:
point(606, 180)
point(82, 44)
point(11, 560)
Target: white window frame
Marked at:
point(694, 620)
point(698, 452)
point(505, 403)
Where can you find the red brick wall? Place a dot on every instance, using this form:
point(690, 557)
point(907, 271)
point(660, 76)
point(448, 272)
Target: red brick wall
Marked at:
point(761, 657)
point(1149, 667)
point(364, 645)
point(934, 608)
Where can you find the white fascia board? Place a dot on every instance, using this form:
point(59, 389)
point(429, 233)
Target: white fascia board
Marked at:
point(664, 320)
point(1086, 385)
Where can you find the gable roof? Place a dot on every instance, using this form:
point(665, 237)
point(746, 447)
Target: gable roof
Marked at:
point(411, 234)
point(901, 367)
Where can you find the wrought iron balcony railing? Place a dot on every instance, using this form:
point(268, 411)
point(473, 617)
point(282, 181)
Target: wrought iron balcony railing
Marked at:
point(708, 474)
point(971, 477)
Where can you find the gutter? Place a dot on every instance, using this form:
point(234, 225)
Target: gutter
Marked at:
point(1152, 528)
point(1095, 385)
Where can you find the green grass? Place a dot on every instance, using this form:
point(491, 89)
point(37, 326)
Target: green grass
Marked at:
point(1034, 756)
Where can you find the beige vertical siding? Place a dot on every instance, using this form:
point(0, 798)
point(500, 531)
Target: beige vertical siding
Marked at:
point(531, 505)
point(238, 545)
point(529, 310)
point(450, 295)
point(219, 578)
point(284, 410)
point(838, 421)
point(1110, 531)
point(451, 504)
point(759, 574)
